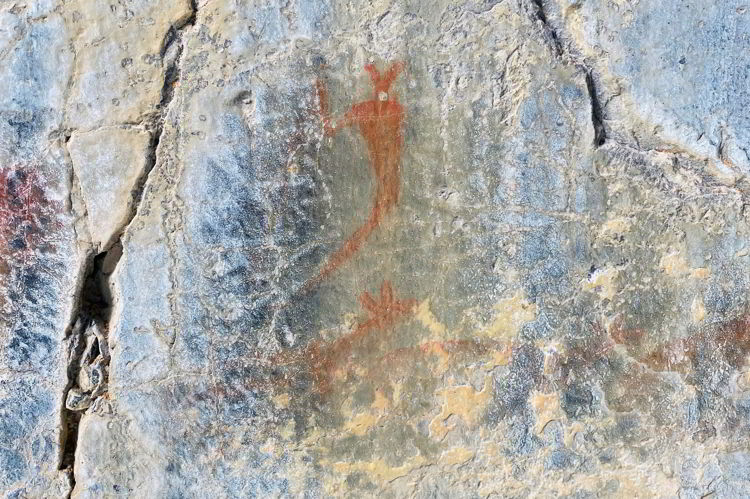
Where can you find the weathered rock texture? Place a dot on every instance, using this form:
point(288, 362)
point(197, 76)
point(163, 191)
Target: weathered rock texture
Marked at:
point(375, 249)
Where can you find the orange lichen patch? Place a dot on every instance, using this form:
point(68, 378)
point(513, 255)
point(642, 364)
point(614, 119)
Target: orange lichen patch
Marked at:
point(282, 400)
point(439, 356)
point(511, 314)
point(381, 402)
point(547, 408)
point(425, 316)
point(380, 121)
point(361, 423)
point(457, 455)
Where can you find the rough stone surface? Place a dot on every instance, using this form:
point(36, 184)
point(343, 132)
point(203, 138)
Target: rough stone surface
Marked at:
point(109, 163)
point(375, 249)
point(39, 262)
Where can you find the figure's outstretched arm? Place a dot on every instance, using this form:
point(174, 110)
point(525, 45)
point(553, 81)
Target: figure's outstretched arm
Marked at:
point(331, 124)
point(323, 109)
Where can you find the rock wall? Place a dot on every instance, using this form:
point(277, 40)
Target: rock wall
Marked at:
point(323, 248)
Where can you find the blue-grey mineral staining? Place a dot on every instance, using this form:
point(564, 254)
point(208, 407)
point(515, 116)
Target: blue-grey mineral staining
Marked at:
point(383, 249)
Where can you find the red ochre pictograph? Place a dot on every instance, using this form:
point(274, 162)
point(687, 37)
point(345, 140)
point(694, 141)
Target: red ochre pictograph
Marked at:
point(324, 360)
point(380, 121)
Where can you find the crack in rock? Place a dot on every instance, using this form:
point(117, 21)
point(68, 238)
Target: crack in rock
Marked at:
point(86, 336)
point(553, 40)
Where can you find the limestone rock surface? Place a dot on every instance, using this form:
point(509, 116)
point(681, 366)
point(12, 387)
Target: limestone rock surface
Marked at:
point(327, 248)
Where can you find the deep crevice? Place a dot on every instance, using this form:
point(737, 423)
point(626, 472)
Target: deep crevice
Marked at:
point(86, 335)
point(600, 135)
point(597, 114)
point(174, 31)
point(92, 316)
point(549, 30)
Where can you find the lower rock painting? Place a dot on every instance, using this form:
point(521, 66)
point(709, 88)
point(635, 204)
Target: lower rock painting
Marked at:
point(323, 362)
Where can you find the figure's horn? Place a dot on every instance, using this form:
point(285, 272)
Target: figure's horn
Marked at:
point(374, 73)
point(393, 72)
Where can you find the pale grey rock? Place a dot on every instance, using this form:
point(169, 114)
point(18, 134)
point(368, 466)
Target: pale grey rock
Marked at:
point(119, 47)
point(676, 74)
point(109, 163)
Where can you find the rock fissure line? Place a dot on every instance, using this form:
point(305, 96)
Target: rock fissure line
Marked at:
point(86, 335)
point(563, 52)
point(550, 36)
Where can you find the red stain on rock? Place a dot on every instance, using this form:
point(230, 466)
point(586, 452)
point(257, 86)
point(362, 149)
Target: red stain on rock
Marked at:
point(322, 361)
point(27, 216)
point(729, 341)
point(624, 336)
point(587, 351)
point(380, 121)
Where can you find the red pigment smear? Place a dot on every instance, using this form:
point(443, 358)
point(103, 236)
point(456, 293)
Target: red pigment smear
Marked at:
point(380, 121)
point(27, 216)
point(730, 341)
point(323, 360)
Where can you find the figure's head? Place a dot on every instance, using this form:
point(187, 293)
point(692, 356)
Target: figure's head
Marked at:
point(382, 84)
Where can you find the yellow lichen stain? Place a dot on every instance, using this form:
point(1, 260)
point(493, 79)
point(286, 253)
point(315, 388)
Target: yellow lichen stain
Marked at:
point(547, 408)
point(500, 357)
point(361, 423)
point(425, 316)
point(743, 377)
point(397, 388)
point(510, 314)
point(457, 455)
point(287, 431)
point(603, 282)
point(697, 309)
point(381, 402)
point(281, 401)
point(674, 263)
point(700, 273)
point(379, 470)
point(462, 401)
point(614, 227)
